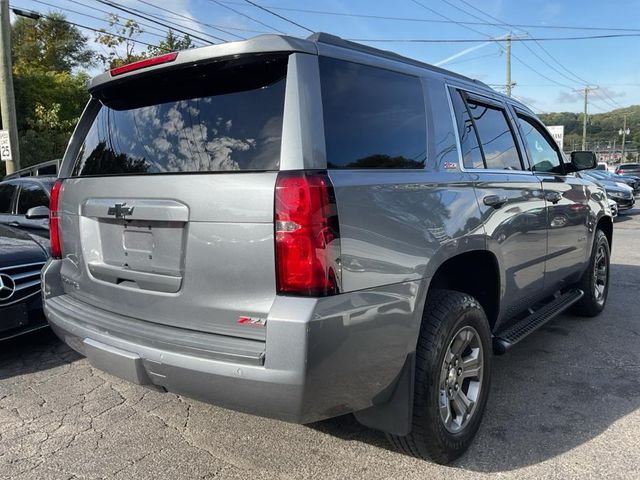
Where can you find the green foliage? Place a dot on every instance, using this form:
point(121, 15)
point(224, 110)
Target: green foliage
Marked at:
point(50, 88)
point(50, 94)
point(120, 43)
point(601, 127)
point(48, 44)
point(172, 43)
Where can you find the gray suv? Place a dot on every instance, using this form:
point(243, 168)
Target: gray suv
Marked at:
point(302, 229)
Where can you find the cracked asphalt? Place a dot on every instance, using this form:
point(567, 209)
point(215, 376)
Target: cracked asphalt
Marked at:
point(564, 404)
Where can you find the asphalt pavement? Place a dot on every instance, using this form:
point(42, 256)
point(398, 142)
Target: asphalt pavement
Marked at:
point(564, 404)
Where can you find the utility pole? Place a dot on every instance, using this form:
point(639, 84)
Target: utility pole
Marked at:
point(7, 100)
point(586, 91)
point(508, 55)
point(624, 132)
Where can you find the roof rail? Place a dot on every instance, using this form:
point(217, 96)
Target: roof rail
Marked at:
point(328, 39)
point(49, 168)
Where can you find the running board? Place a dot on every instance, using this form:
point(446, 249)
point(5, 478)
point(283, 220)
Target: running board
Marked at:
point(507, 338)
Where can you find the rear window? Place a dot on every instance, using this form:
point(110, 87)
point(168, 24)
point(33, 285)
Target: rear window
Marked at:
point(373, 118)
point(225, 116)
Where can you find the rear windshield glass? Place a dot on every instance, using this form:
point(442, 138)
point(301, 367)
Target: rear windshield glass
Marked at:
point(225, 116)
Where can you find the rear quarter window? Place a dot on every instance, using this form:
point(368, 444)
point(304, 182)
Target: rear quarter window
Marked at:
point(226, 116)
point(373, 118)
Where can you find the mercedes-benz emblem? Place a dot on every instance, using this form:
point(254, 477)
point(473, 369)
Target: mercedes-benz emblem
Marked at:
point(7, 287)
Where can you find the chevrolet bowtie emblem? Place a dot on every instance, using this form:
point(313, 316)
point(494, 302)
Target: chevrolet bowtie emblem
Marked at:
point(120, 210)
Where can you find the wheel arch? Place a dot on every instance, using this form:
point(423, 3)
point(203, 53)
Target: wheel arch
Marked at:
point(476, 273)
point(461, 272)
point(605, 223)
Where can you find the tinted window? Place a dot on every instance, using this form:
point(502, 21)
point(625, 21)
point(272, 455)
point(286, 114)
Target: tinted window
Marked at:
point(6, 196)
point(541, 148)
point(496, 148)
point(373, 118)
point(224, 116)
point(471, 153)
point(31, 195)
point(496, 138)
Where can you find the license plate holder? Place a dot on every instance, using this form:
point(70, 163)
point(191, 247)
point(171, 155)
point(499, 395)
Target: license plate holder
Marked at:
point(14, 316)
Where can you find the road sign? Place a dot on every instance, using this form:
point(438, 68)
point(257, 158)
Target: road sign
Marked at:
point(557, 132)
point(5, 146)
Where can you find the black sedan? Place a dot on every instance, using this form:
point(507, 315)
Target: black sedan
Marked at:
point(632, 181)
point(620, 193)
point(22, 256)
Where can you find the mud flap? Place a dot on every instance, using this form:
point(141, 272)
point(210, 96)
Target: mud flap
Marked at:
point(394, 412)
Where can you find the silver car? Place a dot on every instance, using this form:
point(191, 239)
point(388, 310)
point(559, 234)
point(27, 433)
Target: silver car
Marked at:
point(302, 229)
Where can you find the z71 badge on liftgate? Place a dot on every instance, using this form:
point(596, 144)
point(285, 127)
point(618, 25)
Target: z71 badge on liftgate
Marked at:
point(302, 229)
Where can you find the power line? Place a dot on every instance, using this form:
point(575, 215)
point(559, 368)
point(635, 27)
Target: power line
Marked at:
point(475, 40)
point(573, 75)
point(160, 19)
point(279, 16)
point(69, 10)
point(92, 7)
point(38, 14)
point(428, 20)
point(611, 101)
point(525, 64)
point(245, 15)
point(117, 6)
point(179, 15)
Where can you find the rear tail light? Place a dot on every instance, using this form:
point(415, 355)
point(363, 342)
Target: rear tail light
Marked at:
point(54, 220)
point(147, 62)
point(307, 235)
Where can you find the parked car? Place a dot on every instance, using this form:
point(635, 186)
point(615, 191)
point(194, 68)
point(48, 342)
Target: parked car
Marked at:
point(628, 169)
point(633, 182)
point(602, 166)
point(24, 203)
point(49, 168)
point(621, 193)
point(22, 257)
point(266, 225)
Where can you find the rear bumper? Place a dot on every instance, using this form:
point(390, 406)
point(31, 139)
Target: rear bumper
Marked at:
point(322, 357)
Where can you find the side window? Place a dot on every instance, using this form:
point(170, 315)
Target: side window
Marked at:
point(373, 118)
point(6, 196)
point(494, 145)
point(471, 153)
point(543, 154)
point(31, 195)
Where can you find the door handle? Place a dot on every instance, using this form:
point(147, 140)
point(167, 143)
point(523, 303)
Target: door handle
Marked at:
point(553, 197)
point(13, 224)
point(495, 201)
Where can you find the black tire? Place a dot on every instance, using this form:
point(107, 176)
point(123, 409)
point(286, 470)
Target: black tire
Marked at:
point(446, 313)
point(591, 304)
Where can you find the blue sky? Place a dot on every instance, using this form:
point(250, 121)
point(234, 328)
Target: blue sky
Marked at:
point(612, 64)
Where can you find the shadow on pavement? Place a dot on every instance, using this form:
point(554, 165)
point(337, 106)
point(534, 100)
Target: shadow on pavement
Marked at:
point(561, 387)
point(33, 352)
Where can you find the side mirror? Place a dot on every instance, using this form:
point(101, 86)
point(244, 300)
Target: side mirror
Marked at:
point(583, 161)
point(36, 213)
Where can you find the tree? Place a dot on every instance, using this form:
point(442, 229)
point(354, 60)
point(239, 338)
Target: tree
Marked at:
point(50, 92)
point(171, 43)
point(48, 43)
point(120, 43)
